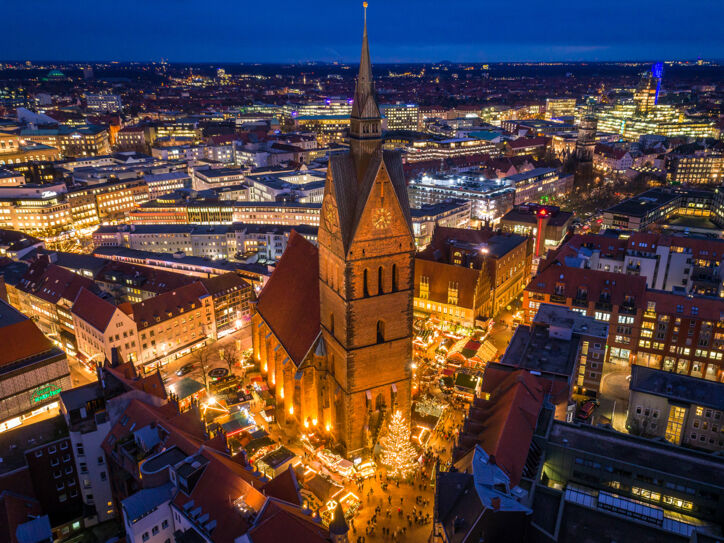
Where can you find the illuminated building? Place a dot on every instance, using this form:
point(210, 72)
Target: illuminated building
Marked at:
point(172, 323)
point(362, 271)
point(209, 178)
point(611, 159)
point(327, 128)
point(15, 150)
point(658, 205)
point(540, 185)
point(645, 323)
point(560, 344)
point(72, 142)
point(683, 410)
point(103, 103)
point(101, 327)
point(663, 120)
point(402, 117)
point(448, 148)
point(490, 198)
point(32, 370)
point(467, 276)
point(113, 198)
point(452, 213)
point(646, 95)
point(135, 138)
point(166, 183)
point(224, 212)
point(560, 107)
point(699, 167)
point(525, 219)
point(231, 296)
point(47, 212)
point(46, 292)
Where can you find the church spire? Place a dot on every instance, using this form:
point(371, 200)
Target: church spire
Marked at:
point(365, 129)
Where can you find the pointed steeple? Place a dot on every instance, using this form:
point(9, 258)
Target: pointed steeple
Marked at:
point(365, 129)
point(365, 104)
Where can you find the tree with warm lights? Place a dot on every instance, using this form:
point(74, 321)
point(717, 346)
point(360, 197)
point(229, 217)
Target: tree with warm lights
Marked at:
point(398, 453)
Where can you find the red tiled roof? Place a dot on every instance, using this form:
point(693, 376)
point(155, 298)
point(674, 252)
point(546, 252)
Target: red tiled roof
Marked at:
point(93, 309)
point(157, 281)
point(174, 303)
point(667, 303)
point(289, 302)
point(52, 283)
point(440, 274)
point(284, 486)
point(150, 384)
point(22, 340)
point(595, 282)
point(521, 143)
point(278, 520)
point(222, 482)
point(504, 424)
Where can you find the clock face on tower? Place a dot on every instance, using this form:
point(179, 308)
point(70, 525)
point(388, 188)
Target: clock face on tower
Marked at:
point(382, 218)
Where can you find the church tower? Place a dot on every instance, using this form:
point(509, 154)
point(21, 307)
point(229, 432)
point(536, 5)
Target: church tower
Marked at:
point(366, 258)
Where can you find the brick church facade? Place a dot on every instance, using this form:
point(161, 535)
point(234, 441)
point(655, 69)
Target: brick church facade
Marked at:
point(333, 327)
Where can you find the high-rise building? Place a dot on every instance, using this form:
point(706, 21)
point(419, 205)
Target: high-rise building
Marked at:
point(585, 146)
point(560, 107)
point(646, 96)
point(402, 116)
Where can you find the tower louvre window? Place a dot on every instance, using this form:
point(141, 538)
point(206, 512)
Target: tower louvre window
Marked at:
point(380, 332)
point(380, 280)
point(394, 278)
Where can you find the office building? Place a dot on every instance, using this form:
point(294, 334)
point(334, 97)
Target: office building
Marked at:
point(103, 103)
point(402, 117)
point(540, 185)
point(490, 198)
point(450, 213)
point(72, 141)
point(560, 107)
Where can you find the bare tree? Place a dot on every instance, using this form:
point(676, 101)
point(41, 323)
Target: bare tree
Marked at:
point(230, 355)
point(202, 356)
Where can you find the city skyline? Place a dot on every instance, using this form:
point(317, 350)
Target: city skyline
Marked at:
point(285, 31)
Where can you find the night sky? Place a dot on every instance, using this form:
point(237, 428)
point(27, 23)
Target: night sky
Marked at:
point(330, 30)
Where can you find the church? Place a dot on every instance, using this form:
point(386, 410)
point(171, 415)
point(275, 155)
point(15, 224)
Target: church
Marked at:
point(333, 328)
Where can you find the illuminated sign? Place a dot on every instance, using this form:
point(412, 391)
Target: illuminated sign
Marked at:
point(43, 393)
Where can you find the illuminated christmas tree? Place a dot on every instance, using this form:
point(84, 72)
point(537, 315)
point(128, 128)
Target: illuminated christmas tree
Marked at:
point(398, 453)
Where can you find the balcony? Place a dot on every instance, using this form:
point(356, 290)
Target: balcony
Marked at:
point(558, 299)
point(580, 302)
point(604, 305)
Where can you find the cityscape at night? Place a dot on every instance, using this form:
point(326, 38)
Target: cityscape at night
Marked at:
point(334, 272)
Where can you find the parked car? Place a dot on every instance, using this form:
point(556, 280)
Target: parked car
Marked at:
point(586, 409)
point(183, 370)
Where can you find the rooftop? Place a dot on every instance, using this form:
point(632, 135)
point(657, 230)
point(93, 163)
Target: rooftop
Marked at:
point(668, 459)
point(677, 387)
point(145, 501)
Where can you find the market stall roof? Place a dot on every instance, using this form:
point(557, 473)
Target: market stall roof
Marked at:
point(186, 387)
point(236, 422)
point(256, 444)
point(322, 488)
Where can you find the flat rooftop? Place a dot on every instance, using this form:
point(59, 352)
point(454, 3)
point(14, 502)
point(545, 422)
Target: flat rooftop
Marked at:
point(643, 204)
point(532, 348)
point(559, 316)
point(670, 460)
point(676, 386)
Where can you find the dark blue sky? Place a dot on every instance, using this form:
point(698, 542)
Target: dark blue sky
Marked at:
point(329, 30)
